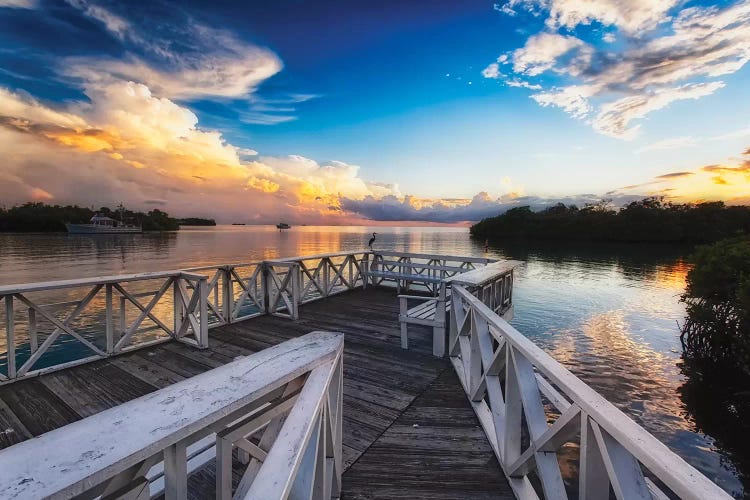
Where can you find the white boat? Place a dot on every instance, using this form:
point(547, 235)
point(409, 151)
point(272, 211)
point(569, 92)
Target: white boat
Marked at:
point(100, 224)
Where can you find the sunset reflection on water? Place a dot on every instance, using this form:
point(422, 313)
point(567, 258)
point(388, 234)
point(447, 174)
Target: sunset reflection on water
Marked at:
point(609, 313)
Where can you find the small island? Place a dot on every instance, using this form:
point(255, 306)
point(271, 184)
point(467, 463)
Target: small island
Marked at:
point(197, 221)
point(43, 218)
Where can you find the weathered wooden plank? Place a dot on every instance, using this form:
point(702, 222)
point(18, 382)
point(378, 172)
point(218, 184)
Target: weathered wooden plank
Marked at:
point(12, 431)
point(383, 383)
point(146, 370)
point(38, 408)
point(435, 449)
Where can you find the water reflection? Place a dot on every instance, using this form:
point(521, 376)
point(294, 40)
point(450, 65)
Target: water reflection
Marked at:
point(608, 312)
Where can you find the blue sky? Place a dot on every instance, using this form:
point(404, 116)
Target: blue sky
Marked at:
point(347, 110)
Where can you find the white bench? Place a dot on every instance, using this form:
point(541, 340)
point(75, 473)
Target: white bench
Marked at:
point(432, 311)
point(492, 284)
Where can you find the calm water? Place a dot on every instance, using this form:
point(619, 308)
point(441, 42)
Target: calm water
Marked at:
point(609, 313)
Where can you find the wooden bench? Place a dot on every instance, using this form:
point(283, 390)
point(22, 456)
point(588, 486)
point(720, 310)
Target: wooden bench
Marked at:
point(493, 284)
point(425, 313)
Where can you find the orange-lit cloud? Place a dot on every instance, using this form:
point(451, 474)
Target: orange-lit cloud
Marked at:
point(129, 145)
point(727, 182)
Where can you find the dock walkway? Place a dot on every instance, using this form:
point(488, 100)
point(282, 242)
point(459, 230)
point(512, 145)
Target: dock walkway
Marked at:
point(408, 428)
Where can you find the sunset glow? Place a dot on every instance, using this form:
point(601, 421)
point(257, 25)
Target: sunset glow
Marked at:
point(433, 114)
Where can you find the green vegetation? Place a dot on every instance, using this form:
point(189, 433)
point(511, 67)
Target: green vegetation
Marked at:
point(197, 221)
point(648, 220)
point(717, 329)
point(39, 217)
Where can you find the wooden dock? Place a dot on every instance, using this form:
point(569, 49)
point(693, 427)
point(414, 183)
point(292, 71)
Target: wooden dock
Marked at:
point(298, 378)
point(408, 428)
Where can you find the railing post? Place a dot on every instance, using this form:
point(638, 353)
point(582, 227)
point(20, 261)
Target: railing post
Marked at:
point(109, 327)
point(228, 294)
point(296, 271)
point(177, 306)
point(33, 333)
point(365, 269)
point(175, 472)
point(264, 283)
point(438, 332)
point(10, 335)
point(325, 269)
point(202, 335)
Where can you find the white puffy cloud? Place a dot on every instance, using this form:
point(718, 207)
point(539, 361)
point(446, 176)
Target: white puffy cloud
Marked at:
point(629, 15)
point(18, 4)
point(492, 71)
point(574, 99)
point(542, 51)
point(129, 145)
point(610, 88)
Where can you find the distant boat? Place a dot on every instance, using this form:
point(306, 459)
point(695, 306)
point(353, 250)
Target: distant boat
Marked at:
point(238, 223)
point(283, 225)
point(101, 224)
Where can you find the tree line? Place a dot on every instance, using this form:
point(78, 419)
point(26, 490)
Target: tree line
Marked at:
point(40, 217)
point(647, 220)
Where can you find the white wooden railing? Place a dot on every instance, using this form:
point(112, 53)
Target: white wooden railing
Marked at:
point(423, 271)
point(235, 292)
point(54, 325)
point(108, 316)
point(514, 386)
point(295, 281)
point(279, 410)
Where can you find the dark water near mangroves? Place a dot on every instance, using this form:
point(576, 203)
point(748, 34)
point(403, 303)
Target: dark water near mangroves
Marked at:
point(607, 312)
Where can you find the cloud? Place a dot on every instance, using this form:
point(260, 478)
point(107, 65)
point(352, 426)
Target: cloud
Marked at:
point(174, 55)
point(614, 118)
point(128, 144)
point(18, 4)
point(670, 143)
point(675, 175)
point(682, 59)
point(542, 51)
point(393, 208)
point(492, 71)
point(114, 23)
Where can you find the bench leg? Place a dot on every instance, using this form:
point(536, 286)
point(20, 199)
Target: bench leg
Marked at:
point(404, 332)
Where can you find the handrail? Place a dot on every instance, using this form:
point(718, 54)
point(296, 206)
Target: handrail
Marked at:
point(118, 332)
point(96, 280)
point(117, 314)
point(112, 452)
point(508, 378)
point(394, 253)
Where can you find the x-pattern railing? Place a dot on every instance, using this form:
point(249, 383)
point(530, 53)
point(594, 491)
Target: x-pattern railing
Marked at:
point(530, 406)
point(275, 415)
point(235, 292)
point(426, 271)
point(47, 327)
point(127, 312)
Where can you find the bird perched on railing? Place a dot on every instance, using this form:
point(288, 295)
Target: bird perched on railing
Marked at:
point(372, 240)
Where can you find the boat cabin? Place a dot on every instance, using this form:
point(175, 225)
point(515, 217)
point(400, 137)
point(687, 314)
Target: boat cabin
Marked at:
point(101, 220)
